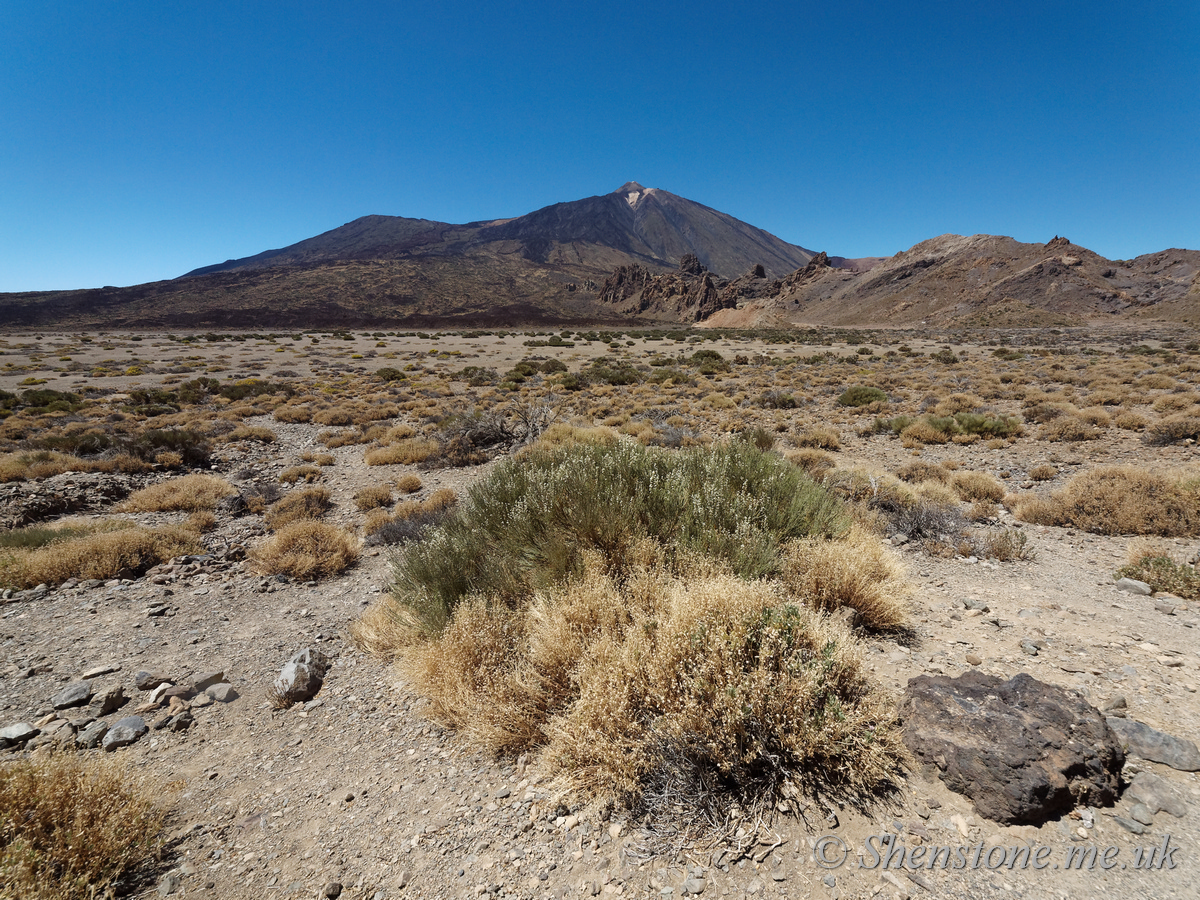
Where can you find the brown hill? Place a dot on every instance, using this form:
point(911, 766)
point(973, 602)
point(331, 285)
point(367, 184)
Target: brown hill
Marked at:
point(986, 280)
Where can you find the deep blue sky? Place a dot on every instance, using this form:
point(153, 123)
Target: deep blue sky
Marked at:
point(140, 140)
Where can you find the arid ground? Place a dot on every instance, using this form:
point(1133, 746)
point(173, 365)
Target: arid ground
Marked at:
point(362, 792)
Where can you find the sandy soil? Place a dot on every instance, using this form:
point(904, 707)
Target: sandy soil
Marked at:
point(362, 790)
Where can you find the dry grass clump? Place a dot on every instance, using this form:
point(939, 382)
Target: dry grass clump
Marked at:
point(304, 504)
point(977, 486)
point(1173, 430)
point(626, 684)
point(404, 453)
point(1072, 428)
point(305, 473)
point(918, 470)
point(923, 432)
point(33, 464)
point(189, 493)
point(300, 412)
point(819, 438)
point(373, 497)
point(855, 571)
point(409, 484)
point(306, 549)
point(256, 433)
point(71, 826)
point(817, 463)
point(97, 555)
point(1129, 420)
point(561, 434)
point(1120, 500)
point(1043, 472)
point(318, 459)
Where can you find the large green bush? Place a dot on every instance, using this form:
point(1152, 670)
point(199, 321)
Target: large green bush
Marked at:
point(528, 524)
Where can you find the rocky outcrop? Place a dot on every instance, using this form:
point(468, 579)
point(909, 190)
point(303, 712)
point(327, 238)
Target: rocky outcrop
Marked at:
point(690, 294)
point(1024, 751)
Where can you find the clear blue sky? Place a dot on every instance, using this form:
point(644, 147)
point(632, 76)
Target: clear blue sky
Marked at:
point(140, 140)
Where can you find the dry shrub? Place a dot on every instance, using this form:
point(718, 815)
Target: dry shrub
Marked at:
point(1173, 430)
point(1068, 428)
point(27, 465)
point(373, 497)
point(982, 511)
point(1006, 545)
point(1095, 416)
point(73, 825)
point(1130, 420)
point(200, 522)
point(1172, 403)
point(409, 484)
point(817, 463)
point(335, 439)
point(1043, 472)
point(100, 556)
point(318, 459)
point(922, 432)
point(405, 453)
point(957, 403)
point(189, 493)
point(436, 502)
point(918, 470)
point(854, 571)
point(623, 684)
point(290, 413)
point(306, 549)
point(977, 486)
point(169, 459)
point(560, 434)
point(819, 438)
point(305, 473)
point(1120, 500)
point(304, 504)
point(250, 433)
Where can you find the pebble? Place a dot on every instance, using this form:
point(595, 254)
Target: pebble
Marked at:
point(974, 659)
point(1140, 813)
point(90, 737)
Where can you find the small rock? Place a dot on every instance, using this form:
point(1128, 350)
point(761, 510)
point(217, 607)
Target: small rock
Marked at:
point(18, 734)
point(1029, 648)
point(332, 890)
point(76, 694)
point(1133, 586)
point(975, 659)
point(1139, 812)
point(90, 737)
point(148, 681)
point(100, 670)
point(1165, 607)
point(206, 680)
point(202, 700)
point(693, 886)
point(108, 699)
point(1156, 794)
point(222, 692)
point(169, 884)
point(301, 677)
point(1130, 825)
point(127, 731)
point(1157, 746)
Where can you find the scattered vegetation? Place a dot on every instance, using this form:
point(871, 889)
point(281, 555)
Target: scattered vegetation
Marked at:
point(306, 549)
point(1120, 500)
point(73, 827)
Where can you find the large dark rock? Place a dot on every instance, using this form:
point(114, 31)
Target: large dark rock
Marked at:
point(1023, 750)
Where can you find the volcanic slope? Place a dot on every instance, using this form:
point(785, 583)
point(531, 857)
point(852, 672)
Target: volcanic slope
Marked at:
point(545, 266)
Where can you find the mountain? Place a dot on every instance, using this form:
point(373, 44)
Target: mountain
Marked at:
point(636, 255)
point(984, 280)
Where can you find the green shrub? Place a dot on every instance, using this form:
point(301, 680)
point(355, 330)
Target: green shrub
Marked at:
point(527, 525)
point(861, 395)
